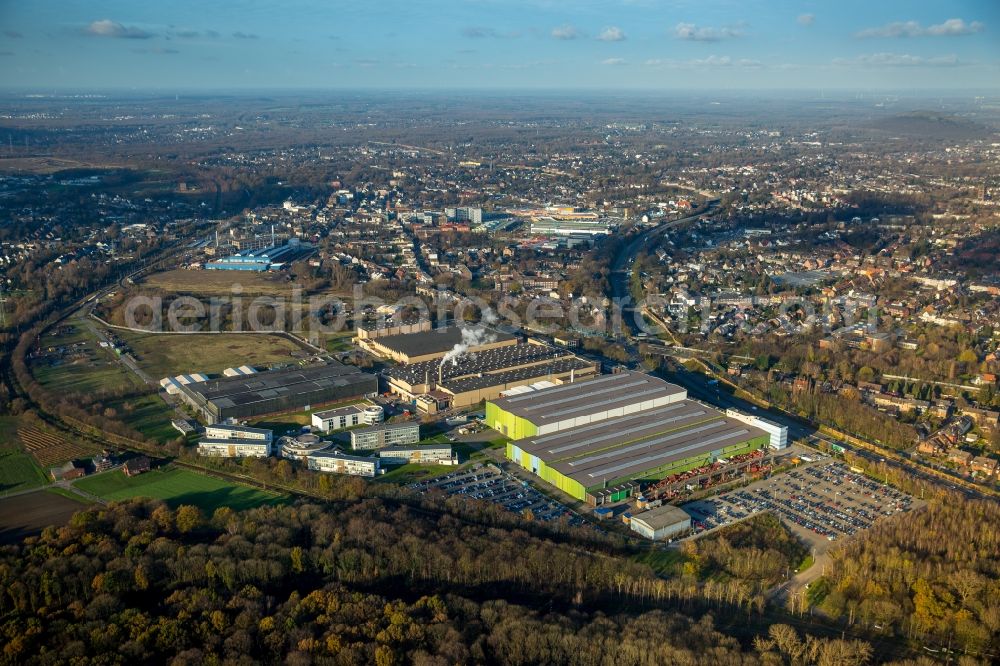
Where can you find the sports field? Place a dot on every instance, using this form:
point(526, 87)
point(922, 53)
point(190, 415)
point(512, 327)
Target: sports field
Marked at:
point(178, 486)
point(169, 355)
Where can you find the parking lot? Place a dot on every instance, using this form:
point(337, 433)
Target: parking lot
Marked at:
point(821, 502)
point(489, 483)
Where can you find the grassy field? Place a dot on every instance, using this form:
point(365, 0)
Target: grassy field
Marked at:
point(663, 562)
point(18, 470)
point(169, 355)
point(149, 415)
point(88, 370)
point(410, 473)
point(178, 486)
point(219, 282)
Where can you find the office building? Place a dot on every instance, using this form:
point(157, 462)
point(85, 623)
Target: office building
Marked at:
point(380, 436)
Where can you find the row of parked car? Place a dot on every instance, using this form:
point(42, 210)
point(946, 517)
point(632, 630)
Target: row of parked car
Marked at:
point(828, 499)
point(491, 484)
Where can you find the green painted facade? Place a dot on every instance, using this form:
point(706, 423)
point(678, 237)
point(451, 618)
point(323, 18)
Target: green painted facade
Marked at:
point(508, 424)
point(576, 489)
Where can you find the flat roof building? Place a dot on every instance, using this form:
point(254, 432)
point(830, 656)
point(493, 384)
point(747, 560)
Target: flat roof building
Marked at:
point(435, 344)
point(587, 437)
point(570, 405)
point(485, 375)
point(380, 436)
point(234, 448)
point(274, 391)
point(227, 431)
point(431, 454)
point(663, 522)
point(335, 462)
point(347, 417)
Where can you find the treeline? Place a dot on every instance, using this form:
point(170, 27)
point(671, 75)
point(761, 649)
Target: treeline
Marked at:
point(760, 550)
point(933, 578)
point(363, 583)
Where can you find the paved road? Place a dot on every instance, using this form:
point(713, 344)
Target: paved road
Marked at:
point(621, 270)
point(699, 388)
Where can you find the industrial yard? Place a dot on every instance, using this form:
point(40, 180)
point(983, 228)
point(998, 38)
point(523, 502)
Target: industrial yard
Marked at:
point(599, 440)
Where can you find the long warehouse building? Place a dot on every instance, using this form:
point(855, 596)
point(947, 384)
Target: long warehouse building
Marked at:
point(292, 389)
point(606, 432)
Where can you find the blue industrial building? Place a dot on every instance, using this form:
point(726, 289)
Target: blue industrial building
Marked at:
point(264, 259)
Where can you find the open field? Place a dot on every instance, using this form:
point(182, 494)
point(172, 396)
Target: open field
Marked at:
point(46, 165)
point(178, 486)
point(219, 283)
point(29, 514)
point(50, 449)
point(75, 363)
point(18, 470)
point(149, 415)
point(170, 355)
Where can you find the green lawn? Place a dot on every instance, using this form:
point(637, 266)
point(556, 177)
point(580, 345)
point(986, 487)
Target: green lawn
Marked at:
point(178, 486)
point(411, 473)
point(663, 562)
point(339, 342)
point(149, 415)
point(18, 470)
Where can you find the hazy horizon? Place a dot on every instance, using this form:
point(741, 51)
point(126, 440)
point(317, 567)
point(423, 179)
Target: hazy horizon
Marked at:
point(567, 45)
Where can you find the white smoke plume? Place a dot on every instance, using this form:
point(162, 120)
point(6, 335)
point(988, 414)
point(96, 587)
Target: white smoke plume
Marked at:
point(472, 336)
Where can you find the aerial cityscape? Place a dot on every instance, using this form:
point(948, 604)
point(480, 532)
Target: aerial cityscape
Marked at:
point(514, 332)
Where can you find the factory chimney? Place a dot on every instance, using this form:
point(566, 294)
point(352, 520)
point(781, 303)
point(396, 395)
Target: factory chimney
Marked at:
point(427, 377)
point(272, 236)
point(440, 372)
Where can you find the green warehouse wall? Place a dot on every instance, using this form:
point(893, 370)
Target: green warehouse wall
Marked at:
point(508, 424)
point(659, 473)
point(577, 490)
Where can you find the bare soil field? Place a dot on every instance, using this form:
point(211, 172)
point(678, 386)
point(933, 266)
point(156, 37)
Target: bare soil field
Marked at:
point(25, 515)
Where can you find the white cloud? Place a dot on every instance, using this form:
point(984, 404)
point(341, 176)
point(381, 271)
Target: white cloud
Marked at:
point(109, 28)
point(694, 33)
point(612, 34)
point(484, 32)
point(711, 61)
point(614, 61)
point(951, 28)
point(806, 19)
point(565, 32)
point(898, 60)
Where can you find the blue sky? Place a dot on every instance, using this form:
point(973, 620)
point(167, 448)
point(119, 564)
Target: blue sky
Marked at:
point(538, 44)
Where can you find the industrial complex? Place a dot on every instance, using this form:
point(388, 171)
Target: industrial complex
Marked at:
point(269, 258)
point(291, 389)
point(431, 344)
point(484, 375)
point(614, 432)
